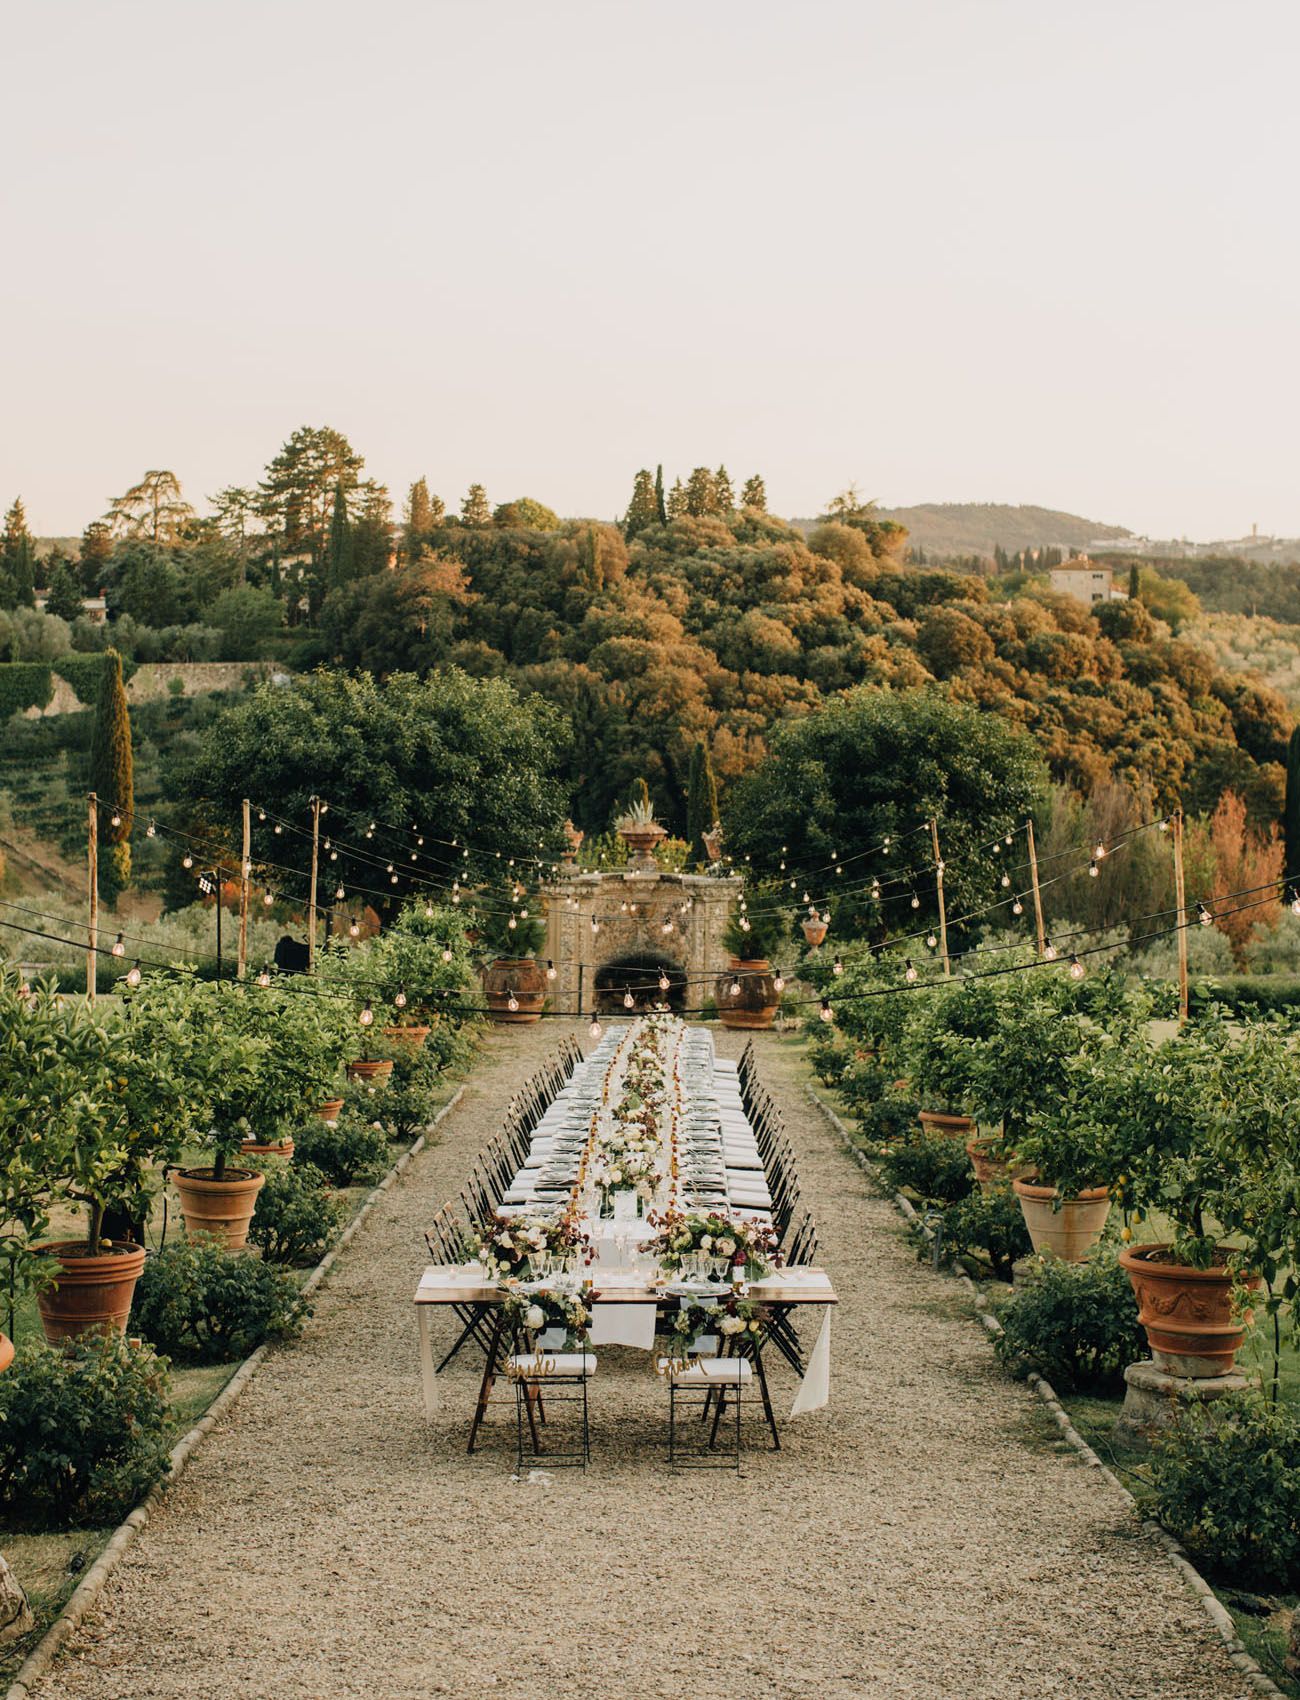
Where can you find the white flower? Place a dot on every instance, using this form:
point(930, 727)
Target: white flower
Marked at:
point(725, 1248)
point(706, 1242)
point(730, 1325)
point(536, 1317)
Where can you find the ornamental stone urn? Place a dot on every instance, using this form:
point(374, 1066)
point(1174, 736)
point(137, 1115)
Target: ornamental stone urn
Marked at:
point(640, 831)
point(573, 842)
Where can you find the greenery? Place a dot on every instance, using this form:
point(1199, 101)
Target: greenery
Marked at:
point(200, 1303)
point(1073, 1323)
point(403, 1104)
point(1226, 1481)
point(297, 1217)
point(986, 1232)
point(112, 778)
point(928, 1169)
point(83, 1432)
point(345, 1152)
point(758, 931)
point(24, 684)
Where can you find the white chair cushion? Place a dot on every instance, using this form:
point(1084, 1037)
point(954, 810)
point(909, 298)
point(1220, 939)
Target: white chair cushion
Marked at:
point(525, 1365)
point(712, 1372)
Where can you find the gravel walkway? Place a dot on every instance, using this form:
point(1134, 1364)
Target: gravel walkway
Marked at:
point(923, 1537)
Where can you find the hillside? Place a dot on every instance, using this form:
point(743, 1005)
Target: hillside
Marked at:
point(973, 528)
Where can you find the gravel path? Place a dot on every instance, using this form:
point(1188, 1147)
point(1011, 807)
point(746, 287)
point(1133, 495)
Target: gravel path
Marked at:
point(923, 1537)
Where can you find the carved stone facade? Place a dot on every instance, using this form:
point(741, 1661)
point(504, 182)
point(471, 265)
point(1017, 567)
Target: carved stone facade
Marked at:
point(630, 944)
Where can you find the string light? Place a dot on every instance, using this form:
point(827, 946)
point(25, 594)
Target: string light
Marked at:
point(1100, 851)
point(1093, 869)
point(735, 988)
point(261, 814)
point(663, 981)
point(119, 949)
point(595, 1030)
point(354, 928)
point(909, 972)
point(133, 975)
point(778, 981)
point(826, 1012)
point(338, 898)
point(446, 953)
point(931, 940)
point(1006, 881)
point(151, 831)
point(1295, 902)
point(264, 978)
point(1077, 969)
point(367, 1016)
point(268, 898)
point(916, 901)
point(551, 970)
point(837, 967)
point(1203, 915)
point(1017, 908)
point(1049, 950)
point(117, 819)
point(187, 861)
point(400, 999)
point(629, 1002)
point(512, 1003)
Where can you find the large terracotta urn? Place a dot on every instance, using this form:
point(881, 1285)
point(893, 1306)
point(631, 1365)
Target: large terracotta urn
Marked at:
point(92, 1293)
point(1068, 1227)
point(520, 979)
point(755, 1002)
point(1188, 1313)
point(938, 1124)
point(223, 1208)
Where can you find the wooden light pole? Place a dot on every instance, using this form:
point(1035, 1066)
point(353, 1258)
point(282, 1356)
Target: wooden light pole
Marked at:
point(244, 866)
point(938, 886)
point(1038, 896)
point(1180, 902)
point(311, 902)
point(92, 892)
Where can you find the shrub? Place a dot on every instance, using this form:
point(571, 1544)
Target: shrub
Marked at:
point(83, 1432)
point(887, 1121)
point(352, 1149)
point(1226, 1479)
point(989, 1223)
point(403, 1104)
point(929, 1168)
point(1074, 1323)
point(296, 1216)
point(201, 1303)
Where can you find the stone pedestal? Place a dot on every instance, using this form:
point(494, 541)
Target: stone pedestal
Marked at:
point(1153, 1398)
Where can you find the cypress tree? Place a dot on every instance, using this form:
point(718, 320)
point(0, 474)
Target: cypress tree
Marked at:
point(1134, 579)
point(18, 560)
point(660, 504)
point(701, 492)
point(339, 565)
point(1291, 811)
point(702, 801)
point(643, 509)
point(476, 509)
point(112, 776)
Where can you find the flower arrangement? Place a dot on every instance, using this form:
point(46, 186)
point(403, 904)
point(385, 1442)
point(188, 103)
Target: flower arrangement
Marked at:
point(510, 1246)
point(748, 1246)
point(728, 1317)
point(556, 1307)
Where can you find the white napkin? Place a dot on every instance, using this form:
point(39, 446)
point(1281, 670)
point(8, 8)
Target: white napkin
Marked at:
point(623, 1325)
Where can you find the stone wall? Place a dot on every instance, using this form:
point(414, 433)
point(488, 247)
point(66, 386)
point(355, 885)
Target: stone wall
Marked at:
point(153, 679)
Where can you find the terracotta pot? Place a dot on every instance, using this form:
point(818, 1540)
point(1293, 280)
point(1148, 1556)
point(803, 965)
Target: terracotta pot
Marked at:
point(1070, 1231)
point(641, 840)
point(276, 1148)
point(713, 844)
point(573, 837)
point(941, 1126)
point(1187, 1313)
point(6, 1352)
point(522, 977)
point(92, 1294)
point(993, 1173)
point(380, 1069)
point(330, 1110)
point(414, 1036)
point(223, 1208)
point(757, 1001)
point(815, 931)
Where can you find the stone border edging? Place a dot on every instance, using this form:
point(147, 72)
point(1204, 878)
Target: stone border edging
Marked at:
point(88, 1590)
point(1173, 1550)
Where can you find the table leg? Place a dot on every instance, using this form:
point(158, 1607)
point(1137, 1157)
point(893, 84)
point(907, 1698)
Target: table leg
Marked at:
point(427, 1371)
point(762, 1388)
point(489, 1375)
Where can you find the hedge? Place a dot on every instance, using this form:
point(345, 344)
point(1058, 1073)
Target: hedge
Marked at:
point(23, 685)
point(84, 672)
point(1247, 994)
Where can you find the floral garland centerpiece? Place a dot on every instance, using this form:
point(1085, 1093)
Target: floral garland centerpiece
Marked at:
point(728, 1317)
point(513, 1247)
point(561, 1306)
point(714, 1244)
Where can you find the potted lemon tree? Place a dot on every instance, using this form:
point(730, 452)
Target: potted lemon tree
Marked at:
point(510, 934)
point(746, 991)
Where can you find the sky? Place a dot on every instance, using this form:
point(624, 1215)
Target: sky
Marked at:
point(948, 250)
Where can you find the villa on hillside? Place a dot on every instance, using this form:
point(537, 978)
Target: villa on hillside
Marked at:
point(1086, 582)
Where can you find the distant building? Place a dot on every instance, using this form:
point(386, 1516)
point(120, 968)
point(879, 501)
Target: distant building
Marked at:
point(1086, 582)
point(95, 608)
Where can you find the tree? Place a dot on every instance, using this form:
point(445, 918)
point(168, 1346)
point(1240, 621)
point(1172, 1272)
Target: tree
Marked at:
point(154, 508)
point(1168, 599)
point(526, 514)
point(296, 499)
point(661, 507)
point(643, 509)
point(64, 596)
point(247, 615)
point(874, 764)
point(474, 510)
point(112, 776)
point(701, 492)
point(1291, 812)
point(724, 499)
point(754, 494)
point(339, 562)
point(423, 513)
point(1134, 582)
point(235, 508)
point(1245, 860)
point(676, 500)
point(702, 805)
point(17, 561)
point(96, 552)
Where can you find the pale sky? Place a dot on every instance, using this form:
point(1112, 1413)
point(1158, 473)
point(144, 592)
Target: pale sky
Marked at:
point(952, 250)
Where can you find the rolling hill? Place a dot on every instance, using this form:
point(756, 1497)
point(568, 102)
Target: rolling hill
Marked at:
point(973, 528)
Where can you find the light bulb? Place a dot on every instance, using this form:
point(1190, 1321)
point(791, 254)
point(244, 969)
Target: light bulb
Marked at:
point(512, 1003)
point(931, 940)
point(837, 967)
point(367, 1016)
point(778, 981)
point(1017, 908)
point(117, 819)
point(1203, 915)
point(594, 1030)
point(827, 1014)
point(133, 976)
point(523, 914)
point(1100, 851)
point(1006, 881)
point(261, 814)
point(744, 925)
point(1093, 870)
point(663, 981)
point(916, 901)
point(629, 1001)
point(446, 953)
point(119, 949)
point(551, 969)
point(264, 978)
point(875, 888)
point(1077, 970)
point(595, 925)
point(667, 927)
point(735, 988)
point(1007, 839)
point(1049, 950)
point(268, 898)
point(1164, 826)
point(511, 924)
point(392, 879)
point(187, 861)
point(909, 972)
point(334, 855)
point(400, 1000)
point(354, 929)
point(1295, 903)
point(151, 831)
point(338, 895)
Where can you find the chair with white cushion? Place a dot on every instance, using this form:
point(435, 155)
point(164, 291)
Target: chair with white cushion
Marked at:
point(562, 1377)
point(700, 1384)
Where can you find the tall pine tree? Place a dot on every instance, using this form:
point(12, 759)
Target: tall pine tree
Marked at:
point(724, 497)
point(1134, 582)
point(676, 500)
point(754, 494)
point(701, 492)
point(423, 513)
point(660, 504)
point(17, 561)
point(476, 509)
point(112, 777)
point(643, 509)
